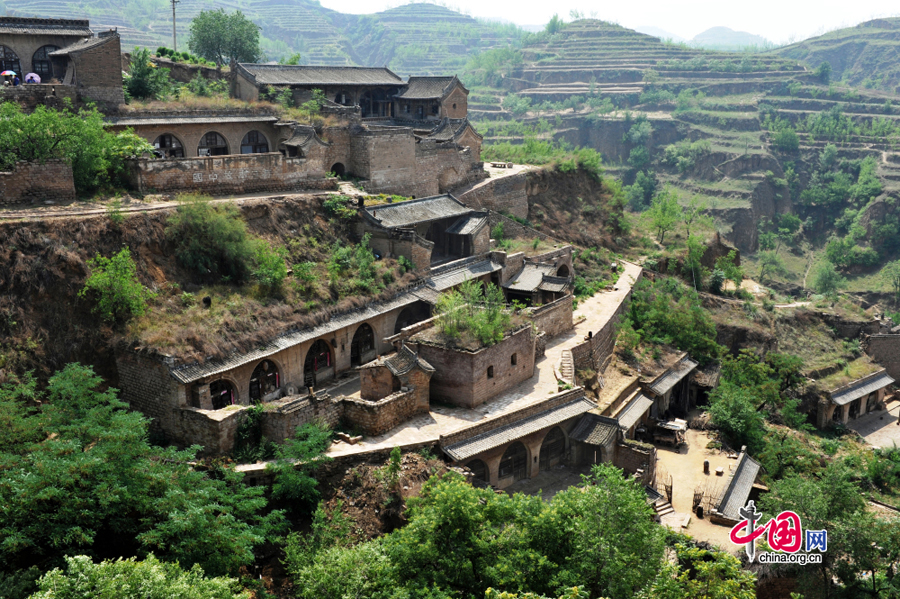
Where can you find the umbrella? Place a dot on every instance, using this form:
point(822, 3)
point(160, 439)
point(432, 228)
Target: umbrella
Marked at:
point(7, 74)
point(32, 78)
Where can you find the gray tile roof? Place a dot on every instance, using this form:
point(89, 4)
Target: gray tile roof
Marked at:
point(859, 388)
point(452, 278)
point(530, 277)
point(671, 377)
point(555, 284)
point(274, 74)
point(426, 88)
point(595, 429)
point(405, 360)
point(138, 121)
point(468, 224)
point(406, 214)
point(631, 413)
point(81, 46)
point(32, 26)
point(738, 489)
point(511, 432)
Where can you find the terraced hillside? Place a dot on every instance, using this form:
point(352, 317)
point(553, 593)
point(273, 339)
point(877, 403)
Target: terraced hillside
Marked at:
point(867, 55)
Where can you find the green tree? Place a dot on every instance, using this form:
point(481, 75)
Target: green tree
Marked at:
point(733, 409)
point(693, 213)
point(891, 273)
point(730, 268)
point(823, 72)
point(827, 280)
point(295, 462)
point(693, 268)
point(133, 579)
point(664, 213)
point(770, 263)
point(223, 38)
point(293, 59)
point(787, 140)
point(144, 79)
point(114, 283)
point(703, 574)
point(268, 265)
point(555, 25)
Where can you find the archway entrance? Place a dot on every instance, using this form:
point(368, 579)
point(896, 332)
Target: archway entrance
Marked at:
point(338, 169)
point(264, 380)
point(222, 394)
point(479, 469)
point(514, 462)
point(563, 271)
point(319, 363)
point(169, 146)
point(553, 449)
point(362, 348)
point(40, 63)
point(9, 61)
point(411, 315)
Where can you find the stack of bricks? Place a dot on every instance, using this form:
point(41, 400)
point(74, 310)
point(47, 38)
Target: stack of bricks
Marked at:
point(36, 182)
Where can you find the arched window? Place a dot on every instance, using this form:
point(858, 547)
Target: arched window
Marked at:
point(513, 359)
point(479, 469)
point(254, 143)
point(514, 462)
point(318, 358)
point(222, 394)
point(362, 346)
point(490, 372)
point(264, 380)
point(40, 62)
point(553, 449)
point(212, 144)
point(9, 61)
point(169, 146)
point(562, 271)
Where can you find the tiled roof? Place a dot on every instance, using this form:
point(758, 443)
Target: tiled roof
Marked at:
point(405, 360)
point(447, 130)
point(426, 88)
point(671, 377)
point(595, 429)
point(468, 224)
point(138, 121)
point(631, 413)
point(473, 270)
point(738, 490)
point(530, 277)
point(516, 430)
point(81, 46)
point(556, 284)
point(405, 214)
point(274, 74)
point(192, 372)
point(30, 26)
point(875, 381)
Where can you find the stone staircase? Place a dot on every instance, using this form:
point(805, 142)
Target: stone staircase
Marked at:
point(663, 508)
point(567, 367)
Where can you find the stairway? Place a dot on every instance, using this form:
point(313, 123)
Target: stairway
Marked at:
point(663, 508)
point(567, 367)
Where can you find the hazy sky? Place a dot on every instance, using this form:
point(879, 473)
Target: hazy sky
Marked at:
point(777, 20)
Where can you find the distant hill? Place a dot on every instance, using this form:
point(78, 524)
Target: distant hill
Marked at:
point(867, 55)
point(660, 33)
point(723, 38)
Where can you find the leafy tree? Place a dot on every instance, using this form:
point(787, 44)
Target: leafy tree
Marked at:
point(268, 265)
point(823, 72)
point(223, 38)
point(891, 272)
point(787, 140)
point(555, 25)
point(664, 212)
point(730, 268)
point(693, 213)
point(640, 193)
point(293, 59)
point(693, 269)
point(146, 80)
point(770, 263)
point(734, 411)
point(703, 574)
point(133, 579)
point(115, 284)
point(827, 280)
point(295, 461)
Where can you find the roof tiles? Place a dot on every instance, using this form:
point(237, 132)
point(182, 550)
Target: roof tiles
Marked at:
point(273, 74)
point(426, 88)
point(631, 413)
point(738, 490)
point(862, 387)
point(406, 214)
point(32, 26)
point(671, 377)
point(595, 429)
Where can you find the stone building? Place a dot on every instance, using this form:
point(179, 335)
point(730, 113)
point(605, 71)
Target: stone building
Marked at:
point(854, 399)
point(740, 489)
point(432, 98)
point(64, 52)
point(672, 391)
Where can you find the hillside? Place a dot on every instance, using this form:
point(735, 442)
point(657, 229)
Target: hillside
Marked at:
point(867, 55)
point(725, 38)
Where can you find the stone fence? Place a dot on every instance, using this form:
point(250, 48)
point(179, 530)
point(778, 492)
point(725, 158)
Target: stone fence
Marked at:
point(36, 182)
point(36, 94)
point(553, 318)
point(377, 417)
point(501, 194)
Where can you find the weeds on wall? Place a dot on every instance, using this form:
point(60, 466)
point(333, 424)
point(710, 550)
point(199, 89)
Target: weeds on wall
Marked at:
point(474, 311)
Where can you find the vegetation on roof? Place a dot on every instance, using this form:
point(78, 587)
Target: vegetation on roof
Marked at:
point(471, 317)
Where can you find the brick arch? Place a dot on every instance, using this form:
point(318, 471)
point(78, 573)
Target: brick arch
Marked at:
point(215, 143)
point(10, 60)
point(255, 142)
point(363, 343)
point(553, 448)
point(315, 360)
point(218, 402)
point(480, 469)
point(265, 383)
point(515, 462)
point(168, 147)
point(41, 63)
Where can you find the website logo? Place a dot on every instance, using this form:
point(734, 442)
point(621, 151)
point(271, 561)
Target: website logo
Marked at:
point(784, 536)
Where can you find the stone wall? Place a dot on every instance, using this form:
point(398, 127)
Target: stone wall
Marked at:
point(218, 175)
point(632, 456)
point(184, 72)
point(35, 182)
point(282, 417)
point(554, 318)
point(500, 194)
point(39, 94)
point(377, 417)
point(214, 430)
point(147, 387)
point(885, 349)
point(469, 379)
point(99, 72)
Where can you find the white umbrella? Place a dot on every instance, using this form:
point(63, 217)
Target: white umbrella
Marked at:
point(32, 78)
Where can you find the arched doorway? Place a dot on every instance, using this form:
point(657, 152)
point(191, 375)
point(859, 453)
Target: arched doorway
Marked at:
point(264, 380)
point(319, 364)
point(254, 143)
point(9, 61)
point(212, 144)
point(222, 394)
point(338, 169)
point(169, 146)
point(41, 64)
point(362, 348)
point(480, 470)
point(563, 271)
point(514, 462)
point(553, 448)
point(417, 312)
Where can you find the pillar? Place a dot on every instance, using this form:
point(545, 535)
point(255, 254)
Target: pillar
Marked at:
point(845, 413)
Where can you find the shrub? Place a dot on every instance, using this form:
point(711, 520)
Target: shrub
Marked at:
point(786, 140)
point(827, 280)
point(144, 79)
point(467, 311)
point(268, 267)
point(114, 281)
point(336, 205)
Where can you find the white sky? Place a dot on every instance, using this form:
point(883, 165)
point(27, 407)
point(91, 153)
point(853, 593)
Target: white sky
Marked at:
point(777, 20)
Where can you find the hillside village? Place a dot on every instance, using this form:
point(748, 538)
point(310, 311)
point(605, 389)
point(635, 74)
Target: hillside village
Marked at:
point(417, 285)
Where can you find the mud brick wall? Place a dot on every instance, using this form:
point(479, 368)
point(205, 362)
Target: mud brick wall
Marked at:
point(554, 318)
point(375, 418)
point(501, 194)
point(632, 457)
point(218, 175)
point(35, 182)
point(885, 349)
point(213, 430)
point(281, 418)
point(462, 377)
point(98, 72)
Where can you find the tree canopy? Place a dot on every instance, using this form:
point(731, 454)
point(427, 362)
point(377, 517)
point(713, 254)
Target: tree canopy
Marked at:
point(223, 38)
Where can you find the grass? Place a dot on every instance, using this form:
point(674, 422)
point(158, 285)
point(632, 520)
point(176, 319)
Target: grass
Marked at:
point(853, 370)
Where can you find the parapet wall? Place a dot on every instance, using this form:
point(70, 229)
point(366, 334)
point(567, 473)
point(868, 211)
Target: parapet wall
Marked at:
point(33, 95)
point(377, 417)
point(554, 318)
point(885, 349)
point(36, 182)
point(233, 174)
point(506, 194)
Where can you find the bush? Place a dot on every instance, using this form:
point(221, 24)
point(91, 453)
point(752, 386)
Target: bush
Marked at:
point(467, 311)
point(827, 280)
point(114, 282)
point(336, 205)
point(786, 140)
point(146, 80)
point(268, 266)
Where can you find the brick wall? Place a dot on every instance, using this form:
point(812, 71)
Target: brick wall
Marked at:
point(632, 456)
point(98, 72)
point(36, 182)
point(554, 318)
point(462, 376)
point(458, 98)
point(885, 349)
point(213, 430)
point(147, 387)
point(375, 418)
point(595, 352)
point(37, 94)
point(218, 175)
point(500, 194)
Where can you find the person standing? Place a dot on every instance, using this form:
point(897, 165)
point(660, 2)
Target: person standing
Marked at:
point(16, 81)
